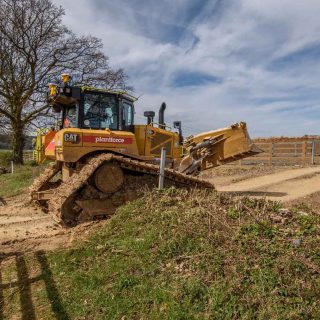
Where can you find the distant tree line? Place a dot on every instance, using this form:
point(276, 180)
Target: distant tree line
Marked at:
point(35, 48)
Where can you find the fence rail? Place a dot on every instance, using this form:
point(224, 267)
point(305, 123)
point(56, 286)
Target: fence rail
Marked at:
point(28, 155)
point(305, 152)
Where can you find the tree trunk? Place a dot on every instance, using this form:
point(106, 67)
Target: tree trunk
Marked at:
point(18, 141)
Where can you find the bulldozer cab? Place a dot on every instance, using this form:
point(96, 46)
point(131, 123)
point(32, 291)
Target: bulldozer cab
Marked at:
point(94, 109)
point(96, 120)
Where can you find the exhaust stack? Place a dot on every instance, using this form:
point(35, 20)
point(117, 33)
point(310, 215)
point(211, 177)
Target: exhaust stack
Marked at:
point(163, 107)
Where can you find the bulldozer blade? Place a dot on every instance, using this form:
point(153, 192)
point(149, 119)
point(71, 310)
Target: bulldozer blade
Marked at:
point(211, 149)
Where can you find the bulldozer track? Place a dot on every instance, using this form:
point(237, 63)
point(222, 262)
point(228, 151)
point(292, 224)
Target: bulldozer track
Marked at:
point(69, 188)
point(39, 183)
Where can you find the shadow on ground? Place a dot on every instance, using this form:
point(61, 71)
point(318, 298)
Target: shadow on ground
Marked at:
point(23, 286)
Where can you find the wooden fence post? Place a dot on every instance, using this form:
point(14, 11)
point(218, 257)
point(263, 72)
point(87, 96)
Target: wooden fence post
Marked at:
point(271, 146)
point(304, 153)
point(312, 152)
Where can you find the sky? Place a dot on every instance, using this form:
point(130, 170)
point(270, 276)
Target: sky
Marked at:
point(214, 62)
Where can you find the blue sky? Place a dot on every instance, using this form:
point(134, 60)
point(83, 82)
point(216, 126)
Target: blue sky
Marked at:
point(214, 62)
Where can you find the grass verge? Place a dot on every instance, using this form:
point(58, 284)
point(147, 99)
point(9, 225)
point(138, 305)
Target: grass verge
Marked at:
point(174, 255)
point(15, 183)
point(5, 158)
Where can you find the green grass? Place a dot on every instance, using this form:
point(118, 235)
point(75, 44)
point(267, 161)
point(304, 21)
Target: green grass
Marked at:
point(5, 158)
point(23, 176)
point(172, 255)
point(16, 183)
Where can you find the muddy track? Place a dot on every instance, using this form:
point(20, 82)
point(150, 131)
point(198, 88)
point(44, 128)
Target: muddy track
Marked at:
point(21, 222)
point(25, 228)
point(40, 183)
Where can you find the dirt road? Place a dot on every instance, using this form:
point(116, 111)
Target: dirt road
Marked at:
point(285, 186)
point(25, 228)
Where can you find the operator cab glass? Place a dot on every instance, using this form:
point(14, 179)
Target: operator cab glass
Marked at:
point(127, 115)
point(100, 112)
point(71, 117)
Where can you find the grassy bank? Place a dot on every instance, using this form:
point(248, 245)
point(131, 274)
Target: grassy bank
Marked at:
point(172, 255)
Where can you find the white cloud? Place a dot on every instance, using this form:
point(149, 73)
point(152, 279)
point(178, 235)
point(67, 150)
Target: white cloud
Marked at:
point(248, 43)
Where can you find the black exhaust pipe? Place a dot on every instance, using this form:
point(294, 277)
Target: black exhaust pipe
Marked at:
point(163, 107)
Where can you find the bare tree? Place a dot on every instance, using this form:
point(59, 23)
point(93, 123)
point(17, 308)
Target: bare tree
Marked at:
point(4, 125)
point(35, 47)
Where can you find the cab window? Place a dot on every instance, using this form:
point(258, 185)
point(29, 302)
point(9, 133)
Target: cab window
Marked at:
point(100, 112)
point(127, 114)
point(71, 117)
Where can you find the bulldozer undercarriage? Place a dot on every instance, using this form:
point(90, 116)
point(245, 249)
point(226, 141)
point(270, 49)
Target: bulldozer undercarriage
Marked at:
point(103, 184)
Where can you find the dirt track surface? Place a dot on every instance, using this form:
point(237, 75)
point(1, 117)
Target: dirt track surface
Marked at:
point(285, 186)
point(25, 228)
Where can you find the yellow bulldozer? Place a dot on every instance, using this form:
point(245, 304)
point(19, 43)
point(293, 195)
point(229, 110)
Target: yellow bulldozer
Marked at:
point(102, 159)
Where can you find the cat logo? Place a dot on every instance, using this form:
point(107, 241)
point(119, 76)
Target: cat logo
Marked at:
point(72, 137)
